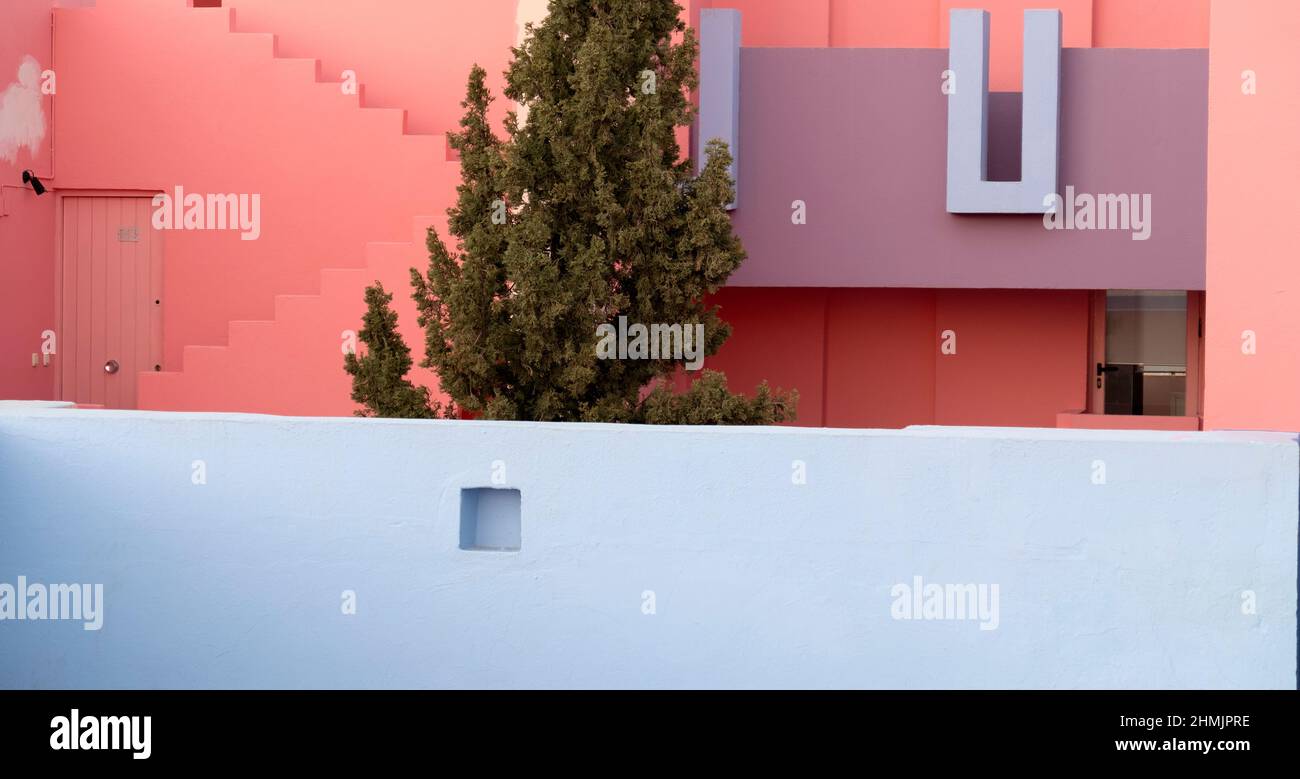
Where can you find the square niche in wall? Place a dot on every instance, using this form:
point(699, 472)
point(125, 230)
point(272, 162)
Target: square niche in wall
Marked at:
point(489, 519)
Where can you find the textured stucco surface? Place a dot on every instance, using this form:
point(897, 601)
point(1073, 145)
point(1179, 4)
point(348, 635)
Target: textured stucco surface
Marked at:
point(757, 581)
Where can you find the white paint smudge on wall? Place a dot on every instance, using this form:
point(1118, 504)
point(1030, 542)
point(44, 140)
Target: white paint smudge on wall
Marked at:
point(22, 120)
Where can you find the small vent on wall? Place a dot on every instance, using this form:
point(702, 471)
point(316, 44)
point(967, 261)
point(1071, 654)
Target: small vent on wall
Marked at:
point(490, 519)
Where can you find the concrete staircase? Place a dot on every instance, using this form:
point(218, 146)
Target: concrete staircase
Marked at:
point(291, 361)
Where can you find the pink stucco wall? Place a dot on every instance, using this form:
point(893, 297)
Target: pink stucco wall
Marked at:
point(154, 94)
point(26, 221)
point(1006, 32)
point(1153, 24)
point(411, 54)
point(158, 95)
point(1252, 273)
point(872, 357)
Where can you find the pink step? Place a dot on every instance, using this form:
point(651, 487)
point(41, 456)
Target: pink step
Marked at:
point(334, 89)
point(292, 362)
point(391, 120)
point(341, 282)
point(257, 43)
point(250, 334)
point(308, 70)
point(310, 329)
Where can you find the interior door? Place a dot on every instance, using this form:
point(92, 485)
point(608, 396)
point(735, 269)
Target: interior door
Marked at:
point(110, 326)
point(1146, 353)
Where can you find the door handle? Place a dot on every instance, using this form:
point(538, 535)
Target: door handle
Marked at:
point(111, 367)
point(1103, 368)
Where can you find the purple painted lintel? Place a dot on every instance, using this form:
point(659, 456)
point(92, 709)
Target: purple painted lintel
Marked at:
point(859, 135)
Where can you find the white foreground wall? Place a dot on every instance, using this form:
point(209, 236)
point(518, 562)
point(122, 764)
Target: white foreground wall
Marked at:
point(230, 546)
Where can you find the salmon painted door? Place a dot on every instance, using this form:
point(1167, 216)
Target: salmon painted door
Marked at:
point(110, 291)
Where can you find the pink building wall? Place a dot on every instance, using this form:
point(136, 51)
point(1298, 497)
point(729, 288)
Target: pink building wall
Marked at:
point(159, 95)
point(26, 221)
point(410, 55)
point(154, 95)
point(1006, 32)
point(1022, 356)
point(1146, 24)
point(1252, 273)
point(873, 357)
point(870, 335)
point(1151, 24)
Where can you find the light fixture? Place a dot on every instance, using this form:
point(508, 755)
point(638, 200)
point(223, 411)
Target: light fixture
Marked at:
point(30, 178)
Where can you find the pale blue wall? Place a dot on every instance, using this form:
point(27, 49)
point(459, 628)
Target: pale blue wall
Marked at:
point(758, 581)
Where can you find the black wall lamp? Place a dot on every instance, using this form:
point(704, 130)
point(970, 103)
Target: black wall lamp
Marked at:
point(30, 178)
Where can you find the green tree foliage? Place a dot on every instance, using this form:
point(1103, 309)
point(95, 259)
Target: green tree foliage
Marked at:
point(584, 213)
point(379, 380)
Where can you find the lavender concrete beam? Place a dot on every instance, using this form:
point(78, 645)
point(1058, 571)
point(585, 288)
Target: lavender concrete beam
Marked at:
point(720, 86)
point(969, 190)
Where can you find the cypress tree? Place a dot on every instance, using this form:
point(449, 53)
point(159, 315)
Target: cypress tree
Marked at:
point(379, 380)
point(585, 213)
